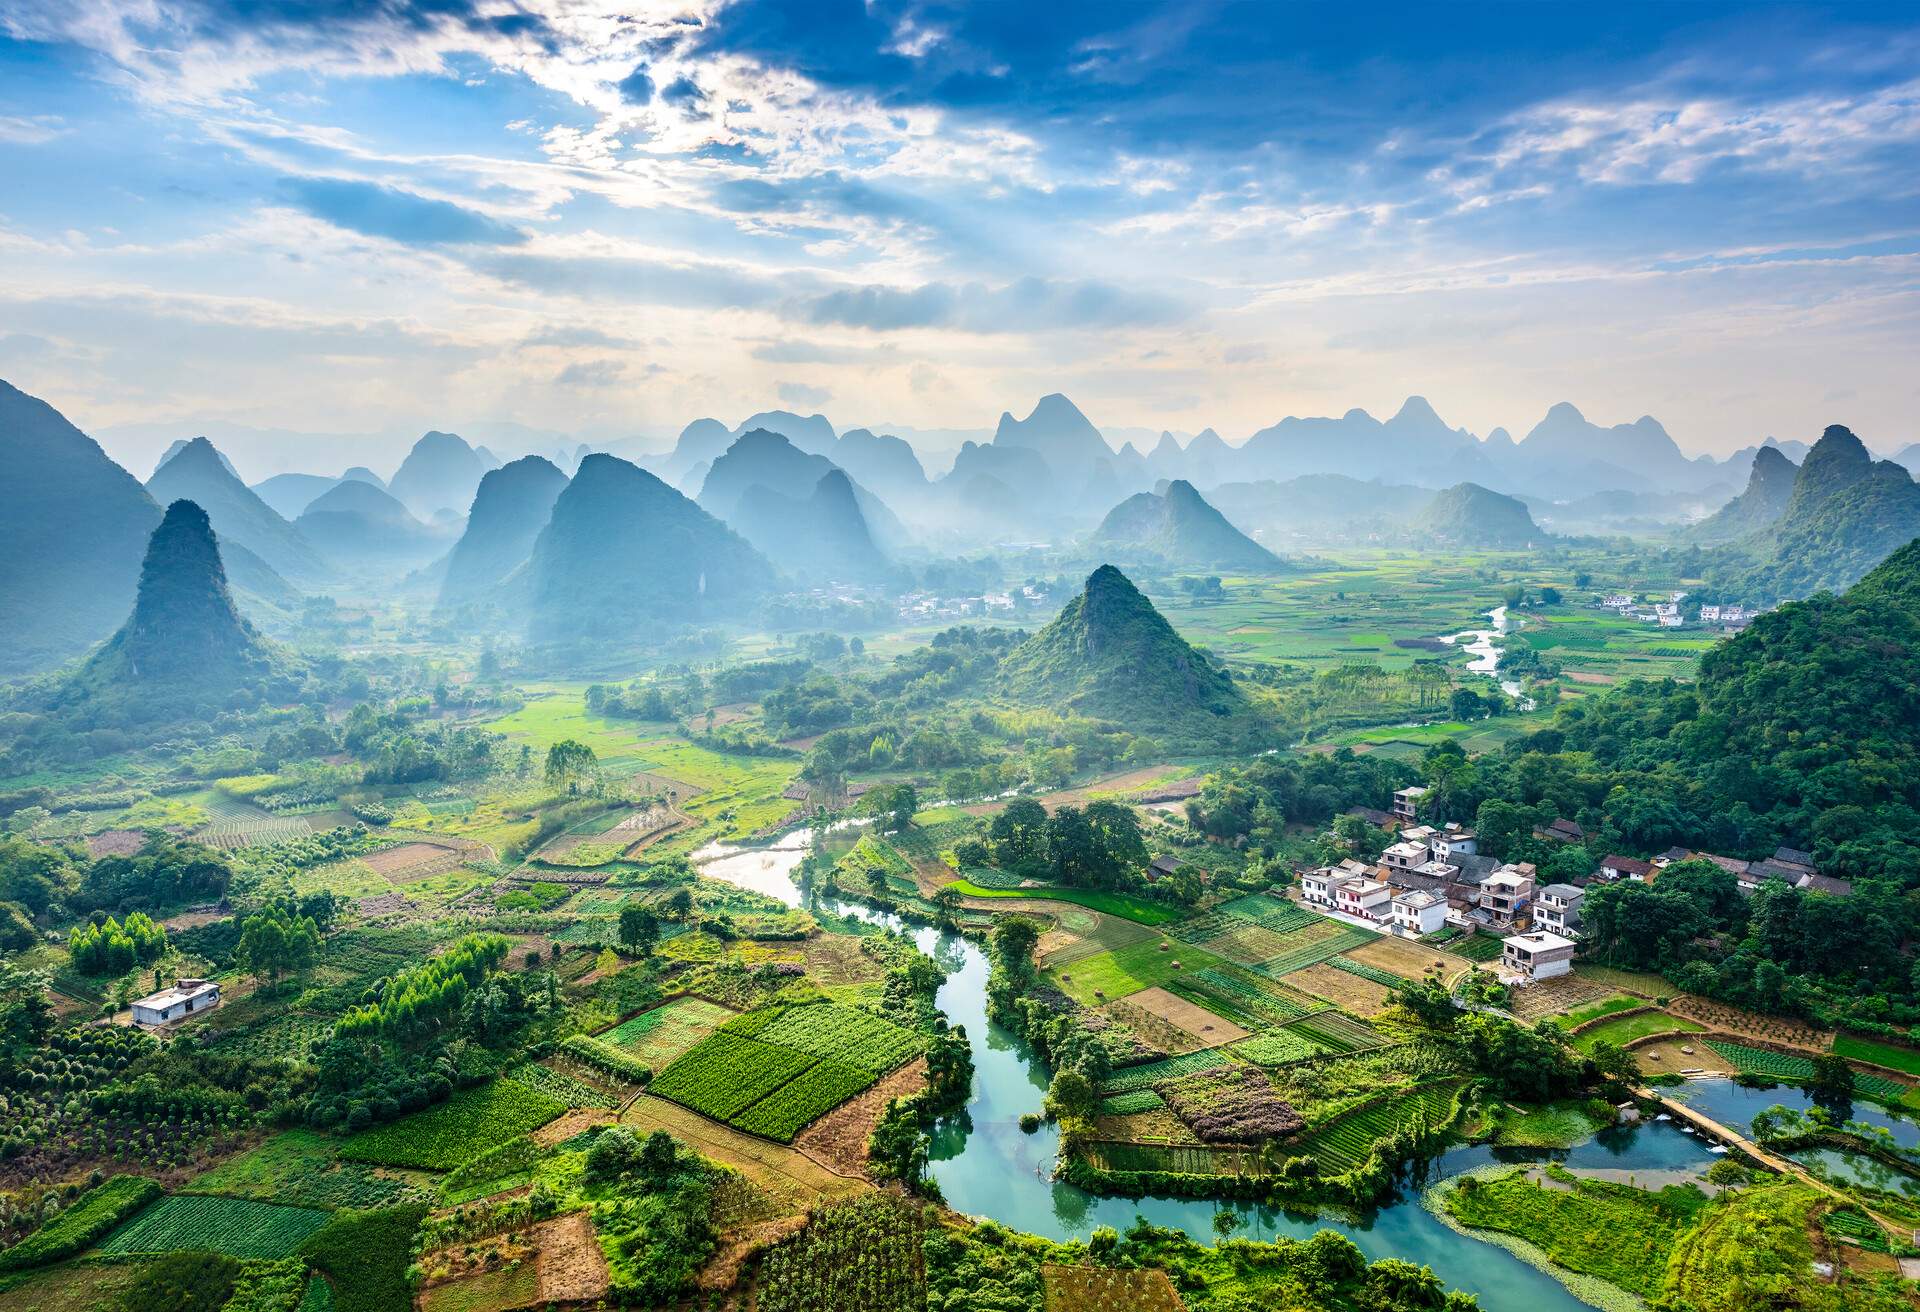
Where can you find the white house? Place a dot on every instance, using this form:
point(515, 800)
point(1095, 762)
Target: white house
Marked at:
point(1406, 801)
point(1672, 620)
point(1405, 856)
point(1417, 914)
point(185, 998)
point(1617, 601)
point(1322, 886)
point(1506, 896)
point(1454, 841)
point(1558, 909)
point(1367, 898)
point(1538, 955)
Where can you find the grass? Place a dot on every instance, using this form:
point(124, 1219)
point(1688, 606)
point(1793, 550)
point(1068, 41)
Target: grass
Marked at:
point(299, 1167)
point(458, 1130)
point(1117, 973)
point(1620, 1234)
point(366, 1254)
point(237, 1227)
point(1595, 1010)
point(1628, 1028)
point(1133, 1079)
point(515, 1286)
point(1124, 905)
point(1558, 1125)
point(1477, 948)
point(1855, 1048)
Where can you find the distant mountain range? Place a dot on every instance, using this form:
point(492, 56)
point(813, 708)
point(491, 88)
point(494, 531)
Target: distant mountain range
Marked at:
point(198, 473)
point(511, 507)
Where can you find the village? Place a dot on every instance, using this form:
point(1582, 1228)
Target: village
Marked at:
point(1432, 883)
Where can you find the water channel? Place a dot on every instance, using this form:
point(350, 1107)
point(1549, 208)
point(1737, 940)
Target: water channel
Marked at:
point(1484, 646)
point(987, 1167)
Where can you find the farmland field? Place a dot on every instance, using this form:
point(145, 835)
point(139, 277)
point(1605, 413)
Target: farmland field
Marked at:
point(238, 1227)
point(658, 1036)
point(1108, 1289)
point(1781, 1066)
point(1128, 970)
point(298, 1167)
point(1351, 992)
point(864, 1255)
point(1131, 1079)
point(1312, 953)
point(1114, 904)
point(724, 1073)
point(1349, 1140)
point(802, 1100)
point(846, 1034)
point(457, 1130)
point(1877, 1053)
point(1626, 1029)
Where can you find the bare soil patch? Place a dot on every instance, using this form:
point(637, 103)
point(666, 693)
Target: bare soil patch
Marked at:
point(115, 842)
point(722, 1270)
point(1739, 1022)
point(572, 1267)
point(839, 1139)
point(1550, 997)
point(1211, 1030)
point(1113, 786)
point(1666, 1055)
point(577, 1121)
point(1408, 959)
point(1348, 992)
point(411, 862)
point(793, 1179)
point(1588, 676)
point(1108, 1289)
point(837, 959)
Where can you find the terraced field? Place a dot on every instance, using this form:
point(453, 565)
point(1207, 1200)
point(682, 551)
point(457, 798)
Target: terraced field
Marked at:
point(1781, 1066)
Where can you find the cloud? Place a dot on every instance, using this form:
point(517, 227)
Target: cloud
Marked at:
point(573, 336)
point(805, 352)
point(1025, 305)
point(804, 394)
point(591, 373)
point(375, 211)
point(31, 131)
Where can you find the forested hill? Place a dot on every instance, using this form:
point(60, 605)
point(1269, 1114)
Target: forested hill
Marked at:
point(1110, 654)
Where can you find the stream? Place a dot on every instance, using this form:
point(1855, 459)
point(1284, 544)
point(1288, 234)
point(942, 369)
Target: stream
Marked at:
point(1483, 646)
point(987, 1167)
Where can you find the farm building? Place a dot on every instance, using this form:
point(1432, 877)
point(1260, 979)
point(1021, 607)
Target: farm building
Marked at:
point(186, 997)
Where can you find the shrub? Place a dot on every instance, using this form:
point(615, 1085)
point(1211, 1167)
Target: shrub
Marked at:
point(90, 1218)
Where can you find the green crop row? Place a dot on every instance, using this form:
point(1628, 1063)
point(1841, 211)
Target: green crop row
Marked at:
point(1364, 971)
point(1126, 1104)
point(82, 1222)
point(458, 1130)
point(1312, 954)
point(802, 1100)
point(574, 1093)
point(724, 1074)
point(606, 1058)
point(843, 1033)
point(1337, 1032)
point(1130, 1079)
point(238, 1227)
point(1783, 1066)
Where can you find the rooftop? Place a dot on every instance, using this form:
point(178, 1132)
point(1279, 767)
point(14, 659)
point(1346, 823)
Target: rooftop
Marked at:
point(1540, 940)
point(179, 992)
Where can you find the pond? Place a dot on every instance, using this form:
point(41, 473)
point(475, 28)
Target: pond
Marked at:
point(987, 1167)
point(1735, 1106)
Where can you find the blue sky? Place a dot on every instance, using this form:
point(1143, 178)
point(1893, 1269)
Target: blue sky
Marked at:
point(612, 220)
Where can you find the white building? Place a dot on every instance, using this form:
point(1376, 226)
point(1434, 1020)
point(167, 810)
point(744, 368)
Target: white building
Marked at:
point(1418, 914)
point(1406, 856)
point(1557, 909)
point(1322, 887)
point(1617, 601)
point(1366, 898)
point(1537, 955)
point(185, 998)
point(1406, 802)
point(1454, 841)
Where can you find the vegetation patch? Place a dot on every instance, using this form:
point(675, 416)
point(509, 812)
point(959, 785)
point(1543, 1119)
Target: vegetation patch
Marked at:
point(1124, 905)
point(237, 1227)
point(724, 1074)
point(802, 1100)
point(1784, 1066)
point(865, 1255)
point(656, 1037)
point(1128, 970)
point(1108, 1289)
point(1129, 1079)
point(1627, 1029)
point(845, 1034)
point(458, 1130)
point(1892, 1056)
point(1230, 1104)
point(365, 1255)
point(82, 1223)
point(1277, 1048)
point(299, 1167)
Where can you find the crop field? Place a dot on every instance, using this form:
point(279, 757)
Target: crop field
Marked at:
point(238, 1227)
point(1628, 1028)
point(1341, 989)
point(1186, 1159)
point(1128, 970)
point(1243, 997)
point(865, 1255)
point(1855, 1048)
point(791, 1177)
point(1550, 997)
point(1337, 1033)
point(1593, 1011)
point(1747, 1024)
point(658, 1036)
point(1113, 904)
point(1208, 1028)
point(1273, 912)
point(457, 1130)
point(1362, 970)
point(802, 1100)
point(1477, 948)
point(1108, 1289)
point(1086, 934)
point(410, 862)
point(1277, 1048)
point(1781, 1066)
point(725, 1074)
point(1131, 1079)
point(1251, 944)
point(1349, 1140)
point(298, 1167)
point(1308, 954)
point(568, 1089)
point(848, 1034)
point(485, 1291)
point(289, 1037)
point(1408, 958)
point(233, 823)
point(1131, 1104)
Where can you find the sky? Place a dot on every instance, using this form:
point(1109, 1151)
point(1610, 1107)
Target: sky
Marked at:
point(613, 219)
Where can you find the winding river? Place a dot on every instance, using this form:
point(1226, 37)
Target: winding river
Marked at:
point(987, 1167)
point(1484, 646)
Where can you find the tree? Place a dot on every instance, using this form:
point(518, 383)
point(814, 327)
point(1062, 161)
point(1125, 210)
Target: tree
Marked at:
point(679, 904)
point(277, 942)
point(1225, 1222)
point(1427, 1001)
point(1072, 1096)
point(1832, 1078)
point(568, 762)
point(639, 930)
point(901, 806)
point(1019, 835)
point(26, 1017)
